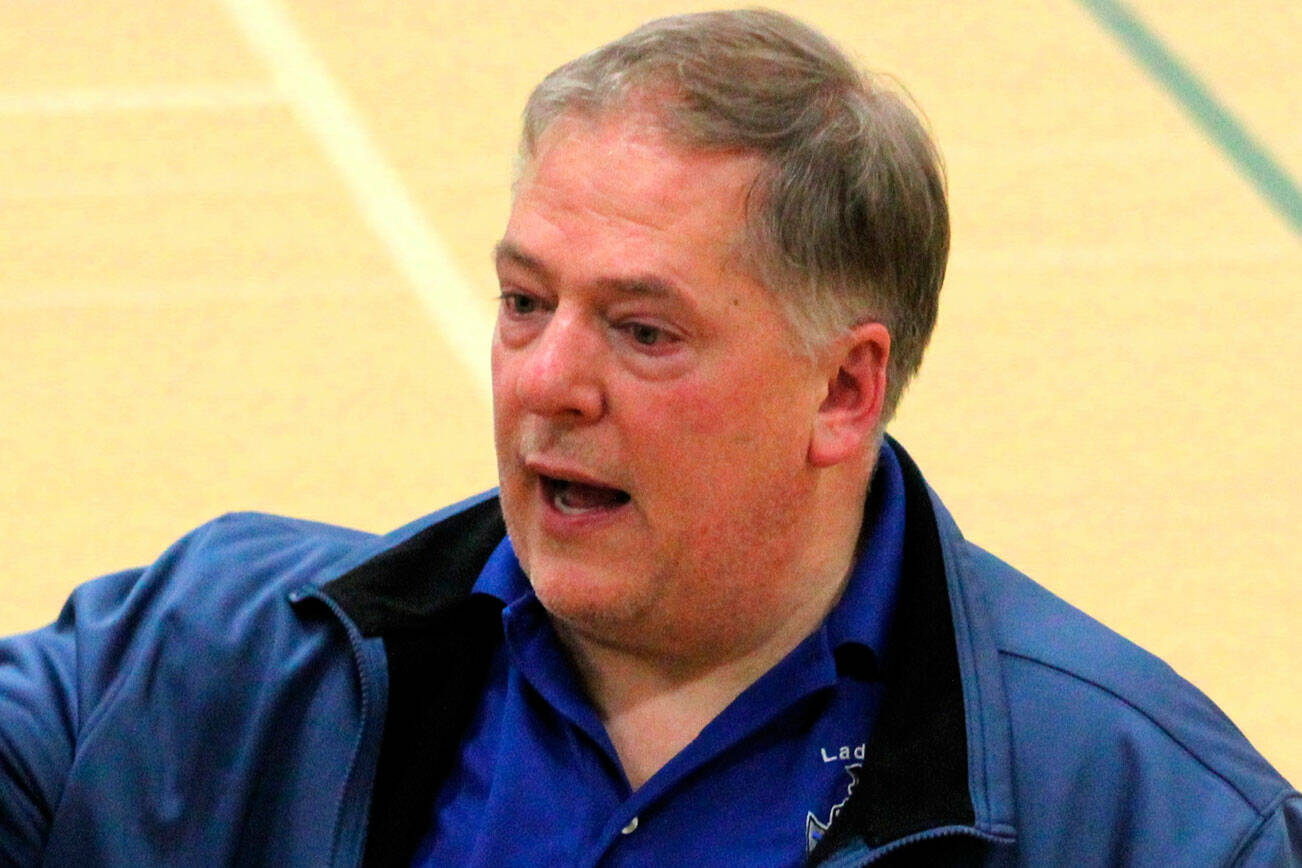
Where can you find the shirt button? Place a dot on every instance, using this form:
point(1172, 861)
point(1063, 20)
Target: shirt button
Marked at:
point(630, 828)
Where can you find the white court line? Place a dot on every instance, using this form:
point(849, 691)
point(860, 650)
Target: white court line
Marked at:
point(163, 97)
point(376, 188)
point(167, 294)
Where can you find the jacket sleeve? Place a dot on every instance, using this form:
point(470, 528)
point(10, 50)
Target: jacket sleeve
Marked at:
point(42, 710)
point(1278, 841)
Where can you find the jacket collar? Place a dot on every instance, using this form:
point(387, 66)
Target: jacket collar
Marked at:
point(938, 756)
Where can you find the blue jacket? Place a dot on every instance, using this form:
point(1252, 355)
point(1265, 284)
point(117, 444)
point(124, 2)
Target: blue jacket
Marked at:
point(280, 692)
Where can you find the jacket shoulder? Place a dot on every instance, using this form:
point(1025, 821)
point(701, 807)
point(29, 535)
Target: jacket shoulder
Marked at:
point(1103, 725)
point(263, 546)
point(215, 592)
point(169, 695)
point(1036, 629)
point(242, 562)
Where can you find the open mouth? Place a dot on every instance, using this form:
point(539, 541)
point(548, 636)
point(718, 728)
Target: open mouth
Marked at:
point(578, 498)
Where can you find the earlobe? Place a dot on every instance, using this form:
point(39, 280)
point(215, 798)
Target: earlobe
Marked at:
point(847, 419)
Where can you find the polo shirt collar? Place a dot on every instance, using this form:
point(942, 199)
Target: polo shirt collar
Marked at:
point(502, 577)
point(863, 615)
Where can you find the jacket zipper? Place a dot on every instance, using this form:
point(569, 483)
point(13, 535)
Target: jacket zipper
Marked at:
point(859, 855)
point(371, 678)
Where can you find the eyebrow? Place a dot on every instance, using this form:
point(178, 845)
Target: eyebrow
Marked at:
point(507, 252)
point(647, 285)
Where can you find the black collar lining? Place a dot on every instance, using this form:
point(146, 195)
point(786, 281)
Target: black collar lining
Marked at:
point(439, 640)
point(915, 773)
point(409, 586)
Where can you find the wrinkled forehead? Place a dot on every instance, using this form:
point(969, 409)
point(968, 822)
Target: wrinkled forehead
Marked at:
point(627, 155)
point(630, 150)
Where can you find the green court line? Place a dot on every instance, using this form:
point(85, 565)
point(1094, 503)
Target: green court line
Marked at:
point(1252, 160)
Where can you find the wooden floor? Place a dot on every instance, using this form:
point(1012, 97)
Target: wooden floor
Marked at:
point(244, 265)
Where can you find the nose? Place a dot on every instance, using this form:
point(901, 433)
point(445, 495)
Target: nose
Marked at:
point(559, 372)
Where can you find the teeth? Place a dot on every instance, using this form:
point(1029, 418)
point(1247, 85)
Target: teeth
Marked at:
point(566, 509)
point(564, 505)
point(579, 499)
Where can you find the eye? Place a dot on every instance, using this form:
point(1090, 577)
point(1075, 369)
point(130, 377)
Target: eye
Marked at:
point(650, 339)
point(646, 335)
point(518, 303)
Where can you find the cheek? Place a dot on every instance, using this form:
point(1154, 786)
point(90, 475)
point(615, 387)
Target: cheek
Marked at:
point(708, 445)
point(706, 406)
point(759, 415)
point(505, 406)
point(501, 370)
point(506, 421)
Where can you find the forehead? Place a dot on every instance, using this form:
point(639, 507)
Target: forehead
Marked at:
point(622, 169)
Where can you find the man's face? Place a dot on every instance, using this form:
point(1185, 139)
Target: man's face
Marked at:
point(652, 415)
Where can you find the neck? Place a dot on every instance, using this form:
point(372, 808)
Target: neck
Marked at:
point(651, 711)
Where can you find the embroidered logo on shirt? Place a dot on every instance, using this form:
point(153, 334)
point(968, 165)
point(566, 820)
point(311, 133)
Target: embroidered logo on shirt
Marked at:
point(816, 828)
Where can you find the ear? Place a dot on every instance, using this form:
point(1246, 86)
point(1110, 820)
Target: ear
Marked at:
point(847, 419)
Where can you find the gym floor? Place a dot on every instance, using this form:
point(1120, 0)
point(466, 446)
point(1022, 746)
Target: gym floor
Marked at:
point(244, 264)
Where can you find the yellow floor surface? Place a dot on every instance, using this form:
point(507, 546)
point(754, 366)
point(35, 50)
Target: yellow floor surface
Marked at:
point(244, 265)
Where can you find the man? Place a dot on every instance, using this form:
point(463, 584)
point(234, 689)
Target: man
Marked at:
point(714, 616)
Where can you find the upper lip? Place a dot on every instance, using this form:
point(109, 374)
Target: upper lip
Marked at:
point(565, 471)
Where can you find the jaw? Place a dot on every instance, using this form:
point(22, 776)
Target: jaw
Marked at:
point(574, 541)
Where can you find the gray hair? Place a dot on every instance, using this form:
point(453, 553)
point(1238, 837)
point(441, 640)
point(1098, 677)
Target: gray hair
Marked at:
point(848, 220)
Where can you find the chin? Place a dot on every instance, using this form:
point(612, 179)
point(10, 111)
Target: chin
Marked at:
point(586, 598)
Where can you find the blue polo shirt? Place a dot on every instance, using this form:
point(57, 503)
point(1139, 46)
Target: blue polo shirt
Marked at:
point(538, 781)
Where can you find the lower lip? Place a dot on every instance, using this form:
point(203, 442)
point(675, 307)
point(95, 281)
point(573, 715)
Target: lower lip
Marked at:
point(566, 524)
